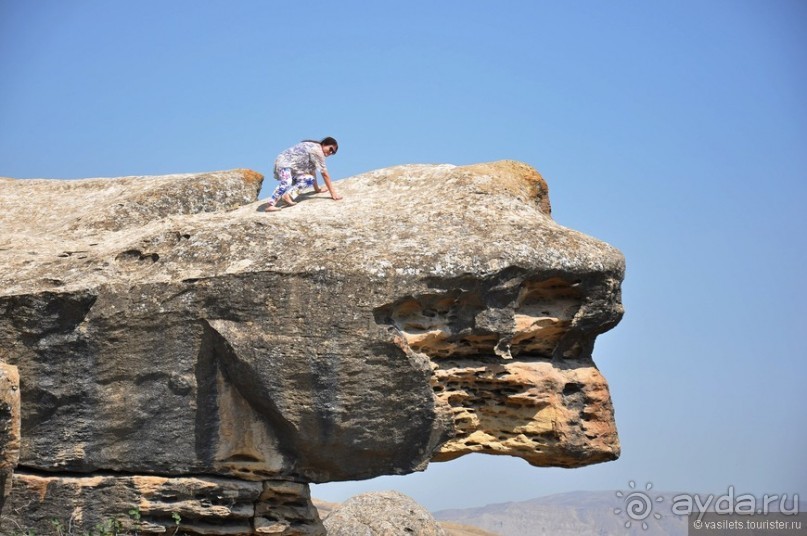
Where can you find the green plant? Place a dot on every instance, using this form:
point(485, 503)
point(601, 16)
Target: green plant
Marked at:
point(134, 513)
point(57, 526)
point(108, 527)
point(177, 520)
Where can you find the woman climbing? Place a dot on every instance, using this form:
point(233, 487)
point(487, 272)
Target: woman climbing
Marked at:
point(296, 169)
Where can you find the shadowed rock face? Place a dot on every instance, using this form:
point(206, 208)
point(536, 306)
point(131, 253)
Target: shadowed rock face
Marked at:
point(178, 346)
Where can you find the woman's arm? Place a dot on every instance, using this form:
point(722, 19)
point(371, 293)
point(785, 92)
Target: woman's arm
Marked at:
point(327, 179)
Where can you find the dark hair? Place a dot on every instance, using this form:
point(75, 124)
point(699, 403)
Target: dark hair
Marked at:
point(327, 141)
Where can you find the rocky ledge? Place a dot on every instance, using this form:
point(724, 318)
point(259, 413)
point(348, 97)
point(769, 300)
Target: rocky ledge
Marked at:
point(170, 349)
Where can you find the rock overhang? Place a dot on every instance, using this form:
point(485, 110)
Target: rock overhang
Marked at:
point(435, 311)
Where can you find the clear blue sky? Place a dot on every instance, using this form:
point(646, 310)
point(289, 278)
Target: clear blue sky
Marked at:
point(674, 130)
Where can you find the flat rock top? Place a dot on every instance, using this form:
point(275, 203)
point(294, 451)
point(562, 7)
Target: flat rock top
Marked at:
point(410, 220)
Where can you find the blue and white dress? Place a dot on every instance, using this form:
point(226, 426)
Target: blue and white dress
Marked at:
point(296, 167)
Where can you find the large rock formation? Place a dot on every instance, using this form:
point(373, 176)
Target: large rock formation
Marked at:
point(182, 352)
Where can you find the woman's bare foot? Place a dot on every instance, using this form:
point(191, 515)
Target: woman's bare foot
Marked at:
point(272, 208)
point(287, 199)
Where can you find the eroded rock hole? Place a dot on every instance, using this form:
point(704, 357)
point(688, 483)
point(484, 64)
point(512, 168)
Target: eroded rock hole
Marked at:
point(522, 318)
point(135, 255)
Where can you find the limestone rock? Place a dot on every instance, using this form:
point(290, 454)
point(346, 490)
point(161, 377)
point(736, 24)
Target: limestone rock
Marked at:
point(384, 513)
point(9, 427)
point(161, 505)
point(167, 327)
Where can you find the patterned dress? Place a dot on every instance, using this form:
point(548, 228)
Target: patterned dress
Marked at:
point(296, 167)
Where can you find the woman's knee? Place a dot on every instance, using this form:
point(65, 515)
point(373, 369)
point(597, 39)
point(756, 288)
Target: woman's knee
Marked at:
point(304, 181)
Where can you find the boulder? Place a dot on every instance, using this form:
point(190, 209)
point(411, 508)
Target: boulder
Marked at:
point(169, 328)
point(383, 513)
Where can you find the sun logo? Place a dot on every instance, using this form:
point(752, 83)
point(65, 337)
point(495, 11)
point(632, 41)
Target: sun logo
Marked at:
point(638, 505)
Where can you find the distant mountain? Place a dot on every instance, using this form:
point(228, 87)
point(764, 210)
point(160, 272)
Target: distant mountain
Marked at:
point(581, 513)
point(455, 529)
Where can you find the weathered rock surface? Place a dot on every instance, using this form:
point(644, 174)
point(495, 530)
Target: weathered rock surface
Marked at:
point(199, 505)
point(383, 513)
point(166, 328)
point(406, 515)
point(9, 427)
